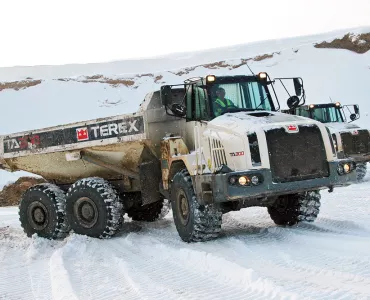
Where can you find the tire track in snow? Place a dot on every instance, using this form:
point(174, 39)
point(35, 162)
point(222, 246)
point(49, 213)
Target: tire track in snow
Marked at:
point(181, 268)
point(325, 270)
point(14, 282)
point(38, 257)
point(91, 270)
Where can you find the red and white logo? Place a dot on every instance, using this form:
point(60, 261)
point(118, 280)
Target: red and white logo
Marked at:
point(82, 134)
point(292, 128)
point(355, 132)
point(240, 153)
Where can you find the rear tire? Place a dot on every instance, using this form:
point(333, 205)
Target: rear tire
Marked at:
point(293, 209)
point(150, 212)
point(361, 169)
point(94, 208)
point(42, 210)
point(194, 222)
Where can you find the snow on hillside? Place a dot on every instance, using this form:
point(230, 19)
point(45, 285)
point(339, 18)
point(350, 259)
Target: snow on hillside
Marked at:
point(41, 96)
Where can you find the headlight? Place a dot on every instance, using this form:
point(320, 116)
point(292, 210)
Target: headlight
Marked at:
point(340, 170)
point(255, 180)
point(345, 168)
point(243, 180)
point(246, 180)
point(211, 78)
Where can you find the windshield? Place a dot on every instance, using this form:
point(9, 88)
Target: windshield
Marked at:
point(327, 114)
point(239, 96)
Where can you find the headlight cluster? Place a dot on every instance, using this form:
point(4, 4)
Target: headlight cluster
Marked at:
point(246, 180)
point(345, 168)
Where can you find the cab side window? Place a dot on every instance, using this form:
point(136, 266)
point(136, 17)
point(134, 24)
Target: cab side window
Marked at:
point(196, 103)
point(201, 107)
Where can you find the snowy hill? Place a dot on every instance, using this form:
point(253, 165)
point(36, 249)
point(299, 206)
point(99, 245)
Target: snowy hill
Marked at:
point(40, 96)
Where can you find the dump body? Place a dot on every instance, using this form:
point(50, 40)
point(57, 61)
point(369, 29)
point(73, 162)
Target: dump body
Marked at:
point(122, 141)
point(118, 140)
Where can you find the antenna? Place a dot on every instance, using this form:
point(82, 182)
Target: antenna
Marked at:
point(330, 99)
point(249, 67)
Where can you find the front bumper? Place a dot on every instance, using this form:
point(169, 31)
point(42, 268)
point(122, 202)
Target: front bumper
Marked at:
point(223, 191)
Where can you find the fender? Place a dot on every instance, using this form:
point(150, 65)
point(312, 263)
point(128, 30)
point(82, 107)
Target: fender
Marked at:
point(174, 152)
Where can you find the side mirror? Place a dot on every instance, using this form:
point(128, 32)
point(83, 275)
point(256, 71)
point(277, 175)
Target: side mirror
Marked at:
point(166, 95)
point(297, 86)
point(293, 102)
point(357, 110)
point(353, 117)
point(178, 109)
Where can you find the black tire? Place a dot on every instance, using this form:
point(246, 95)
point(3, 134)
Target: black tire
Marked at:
point(150, 212)
point(194, 222)
point(42, 210)
point(293, 209)
point(94, 208)
point(361, 169)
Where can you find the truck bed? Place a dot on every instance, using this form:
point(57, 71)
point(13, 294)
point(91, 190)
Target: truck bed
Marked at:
point(119, 140)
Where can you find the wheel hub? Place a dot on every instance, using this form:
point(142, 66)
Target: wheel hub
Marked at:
point(86, 212)
point(183, 208)
point(37, 215)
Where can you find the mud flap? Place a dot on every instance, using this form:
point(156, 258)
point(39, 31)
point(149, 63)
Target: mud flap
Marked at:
point(150, 178)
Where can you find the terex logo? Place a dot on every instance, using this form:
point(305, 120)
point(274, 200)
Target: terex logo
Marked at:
point(82, 134)
point(107, 130)
point(292, 128)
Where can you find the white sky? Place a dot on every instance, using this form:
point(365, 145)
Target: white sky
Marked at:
point(78, 31)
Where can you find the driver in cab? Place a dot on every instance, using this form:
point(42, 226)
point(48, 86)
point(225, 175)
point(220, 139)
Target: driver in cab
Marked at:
point(221, 103)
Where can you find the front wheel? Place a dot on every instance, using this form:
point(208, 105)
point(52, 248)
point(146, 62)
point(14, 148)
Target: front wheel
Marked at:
point(361, 169)
point(194, 222)
point(292, 209)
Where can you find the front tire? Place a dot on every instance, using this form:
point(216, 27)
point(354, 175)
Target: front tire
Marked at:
point(42, 210)
point(194, 222)
point(94, 208)
point(361, 169)
point(293, 209)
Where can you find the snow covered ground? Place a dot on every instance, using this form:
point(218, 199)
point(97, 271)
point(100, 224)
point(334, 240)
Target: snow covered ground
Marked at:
point(253, 258)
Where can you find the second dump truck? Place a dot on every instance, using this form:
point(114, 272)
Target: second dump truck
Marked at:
point(350, 140)
point(210, 145)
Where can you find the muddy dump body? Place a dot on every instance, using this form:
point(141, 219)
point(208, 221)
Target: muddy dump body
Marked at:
point(54, 152)
point(124, 149)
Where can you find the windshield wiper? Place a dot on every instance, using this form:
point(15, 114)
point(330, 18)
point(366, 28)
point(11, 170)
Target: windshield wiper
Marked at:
point(263, 101)
point(238, 109)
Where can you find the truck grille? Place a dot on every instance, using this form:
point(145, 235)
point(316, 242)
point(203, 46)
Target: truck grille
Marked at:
point(218, 153)
point(297, 156)
point(355, 143)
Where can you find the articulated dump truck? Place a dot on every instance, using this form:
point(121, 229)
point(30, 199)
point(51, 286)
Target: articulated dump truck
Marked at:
point(209, 145)
point(350, 140)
